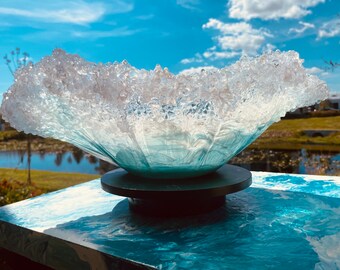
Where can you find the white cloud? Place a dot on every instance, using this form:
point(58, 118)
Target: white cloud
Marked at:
point(215, 55)
point(193, 70)
point(330, 29)
point(198, 58)
point(228, 28)
point(268, 48)
point(238, 37)
point(305, 26)
point(322, 73)
point(232, 40)
point(188, 60)
point(74, 12)
point(188, 4)
point(118, 32)
point(270, 9)
point(314, 70)
point(210, 54)
point(67, 35)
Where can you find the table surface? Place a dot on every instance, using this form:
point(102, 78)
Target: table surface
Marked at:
point(282, 221)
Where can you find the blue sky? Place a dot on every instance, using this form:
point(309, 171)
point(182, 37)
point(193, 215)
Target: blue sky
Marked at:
point(180, 34)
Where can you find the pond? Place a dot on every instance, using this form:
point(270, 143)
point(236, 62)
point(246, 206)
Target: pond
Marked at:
point(76, 161)
point(300, 162)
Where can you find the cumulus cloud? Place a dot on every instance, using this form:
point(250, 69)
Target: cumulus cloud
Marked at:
point(239, 37)
point(322, 73)
point(268, 48)
point(232, 39)
point(198, 58)
point(330, 29)
point(212, 54)
point(270, 9)
point(187, 60)
point(314, 70)
point(193, 70)
point(305, 26)
point(73, 12)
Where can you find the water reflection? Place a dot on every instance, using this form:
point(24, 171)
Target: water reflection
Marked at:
point(302, 161)
point(58, 158)
point(78, 155)
point(75, 161)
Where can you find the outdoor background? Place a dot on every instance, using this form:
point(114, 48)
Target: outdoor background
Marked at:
point(181, 35)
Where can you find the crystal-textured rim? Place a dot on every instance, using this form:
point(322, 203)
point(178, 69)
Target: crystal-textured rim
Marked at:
point(155, 123)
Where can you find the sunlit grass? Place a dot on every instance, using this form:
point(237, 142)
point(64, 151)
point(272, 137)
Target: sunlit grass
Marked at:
point(307, 123)
point(289, 135)
point(45, 180)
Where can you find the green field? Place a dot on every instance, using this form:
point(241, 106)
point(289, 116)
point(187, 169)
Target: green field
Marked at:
point(13, 185)
point(48, 181)
point(308, 123)
point(288, 135)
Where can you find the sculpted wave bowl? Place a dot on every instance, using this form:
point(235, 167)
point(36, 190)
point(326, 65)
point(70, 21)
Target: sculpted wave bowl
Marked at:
point(154, 123)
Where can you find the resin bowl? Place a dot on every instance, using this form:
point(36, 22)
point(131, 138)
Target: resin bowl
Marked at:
point(153, 123)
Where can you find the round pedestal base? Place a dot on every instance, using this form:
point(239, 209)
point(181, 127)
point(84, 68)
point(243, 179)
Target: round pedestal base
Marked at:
point(172, 208)
point(176, 197)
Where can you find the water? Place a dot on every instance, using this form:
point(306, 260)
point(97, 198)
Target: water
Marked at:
point(76, 162)
point(300, 162)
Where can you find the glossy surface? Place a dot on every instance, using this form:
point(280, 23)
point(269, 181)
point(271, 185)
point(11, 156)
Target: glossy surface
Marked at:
point(227, 179)
point(281, 222)
point(177, 197)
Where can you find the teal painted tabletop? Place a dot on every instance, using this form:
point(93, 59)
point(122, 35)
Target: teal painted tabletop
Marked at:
point(282, 221)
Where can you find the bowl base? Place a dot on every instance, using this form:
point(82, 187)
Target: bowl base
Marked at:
point(176, 197)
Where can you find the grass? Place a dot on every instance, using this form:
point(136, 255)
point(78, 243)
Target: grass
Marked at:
point(307, 123)
point(13, 186)
point(45, 180)
point(12, 140)
point(11, 135)
point(288, 135)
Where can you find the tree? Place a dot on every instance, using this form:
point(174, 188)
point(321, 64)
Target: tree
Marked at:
point(15, 61)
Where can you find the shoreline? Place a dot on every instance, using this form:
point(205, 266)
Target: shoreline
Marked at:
point(276, 144)
point(283, 146)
